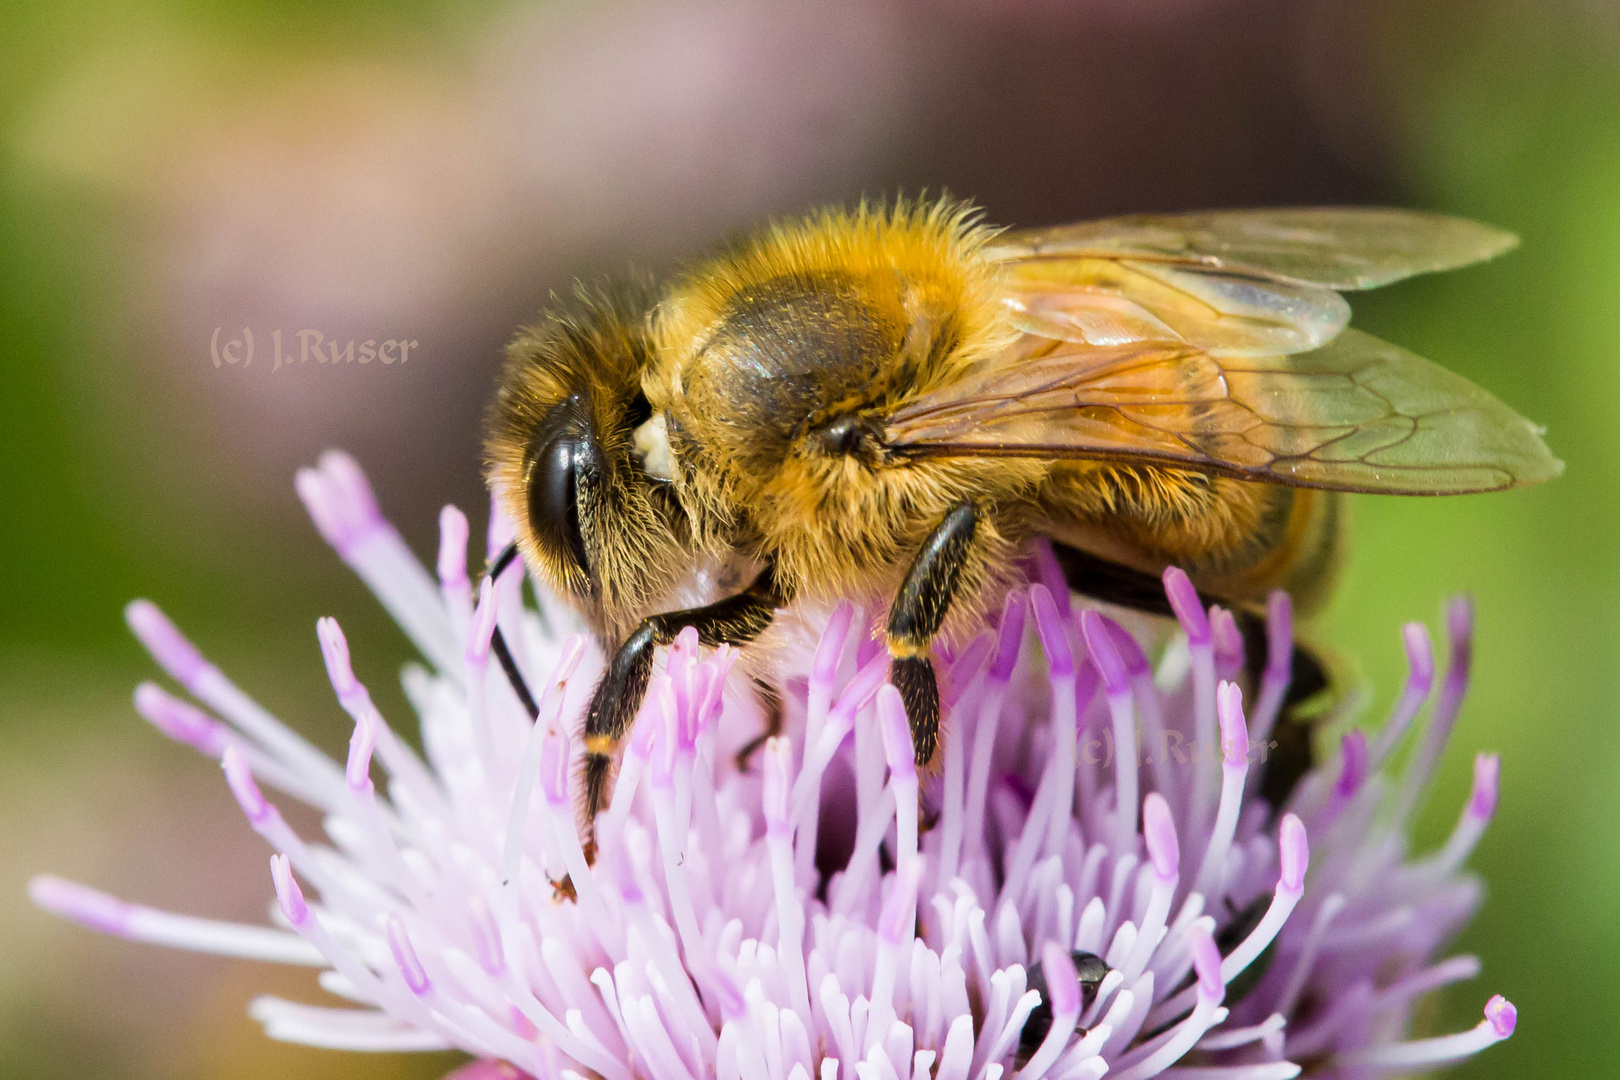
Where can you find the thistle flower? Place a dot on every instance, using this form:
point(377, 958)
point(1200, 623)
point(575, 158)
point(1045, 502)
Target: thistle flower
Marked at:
point(832, 913)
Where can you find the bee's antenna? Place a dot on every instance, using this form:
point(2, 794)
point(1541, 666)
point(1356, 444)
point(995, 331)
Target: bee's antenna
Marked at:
point(503, 560)
point(498, 641)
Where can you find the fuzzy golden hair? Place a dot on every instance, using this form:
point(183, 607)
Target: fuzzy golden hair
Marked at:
point(920, 258)
point(913, 305)
point(594, 350)
point(888, 403)
point(1237, 539)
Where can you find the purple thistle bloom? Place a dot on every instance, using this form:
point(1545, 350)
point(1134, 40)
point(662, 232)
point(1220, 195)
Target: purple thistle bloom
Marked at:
point(832, 913)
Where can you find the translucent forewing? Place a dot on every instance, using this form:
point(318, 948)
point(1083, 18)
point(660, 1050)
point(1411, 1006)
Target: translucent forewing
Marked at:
point(1338, 248)
point(1217, 341)
point(1358, 414)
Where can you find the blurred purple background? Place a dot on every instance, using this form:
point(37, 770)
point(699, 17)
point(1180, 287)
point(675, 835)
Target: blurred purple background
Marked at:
point(432, 172)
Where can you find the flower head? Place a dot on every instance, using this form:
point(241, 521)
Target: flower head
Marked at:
point(830, 912)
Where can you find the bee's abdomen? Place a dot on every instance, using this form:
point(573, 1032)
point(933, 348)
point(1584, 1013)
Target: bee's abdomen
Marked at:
point(1237, 539)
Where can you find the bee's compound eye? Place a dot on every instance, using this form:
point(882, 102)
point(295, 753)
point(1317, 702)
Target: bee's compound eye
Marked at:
point(554, 482)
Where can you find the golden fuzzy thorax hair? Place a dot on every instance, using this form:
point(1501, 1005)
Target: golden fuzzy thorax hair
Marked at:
point(917, 263)
point(844, 314)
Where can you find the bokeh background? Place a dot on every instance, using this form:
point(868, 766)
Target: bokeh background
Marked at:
point(430, 170)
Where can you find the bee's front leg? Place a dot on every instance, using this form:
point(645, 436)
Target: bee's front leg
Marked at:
point(915, 617)
point(497, 642)
point(736, 620)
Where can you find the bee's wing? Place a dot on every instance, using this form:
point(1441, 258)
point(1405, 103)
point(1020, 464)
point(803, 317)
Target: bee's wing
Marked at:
point(1217, 341)
point(1357, 414)
point(1231, 283)
point(1328, 246)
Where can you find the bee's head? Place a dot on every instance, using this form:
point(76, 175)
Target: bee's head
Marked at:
point(559, 446)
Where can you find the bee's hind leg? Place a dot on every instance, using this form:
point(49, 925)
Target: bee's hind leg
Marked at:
point(916, 616)
point(1309, 684)
point(1112, 583)
point(736, 620)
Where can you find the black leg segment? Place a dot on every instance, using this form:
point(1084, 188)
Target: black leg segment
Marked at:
point(913, 676)
point(507, 556)
point(1100, 579)
point(497, 642)
point(916, 616)
point(1096, 577)
point(736, 620)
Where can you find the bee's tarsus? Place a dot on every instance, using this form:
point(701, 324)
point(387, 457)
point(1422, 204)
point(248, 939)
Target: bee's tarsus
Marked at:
point(564, 890)
point(913, 676)
point(598, 769)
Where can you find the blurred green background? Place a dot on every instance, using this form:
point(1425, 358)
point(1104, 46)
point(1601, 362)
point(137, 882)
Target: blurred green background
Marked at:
point(430, 170)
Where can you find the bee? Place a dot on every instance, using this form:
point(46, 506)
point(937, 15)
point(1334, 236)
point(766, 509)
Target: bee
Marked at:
point(892, 402)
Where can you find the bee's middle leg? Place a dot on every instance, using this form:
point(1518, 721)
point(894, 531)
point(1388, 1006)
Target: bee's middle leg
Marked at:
point(915, 617)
